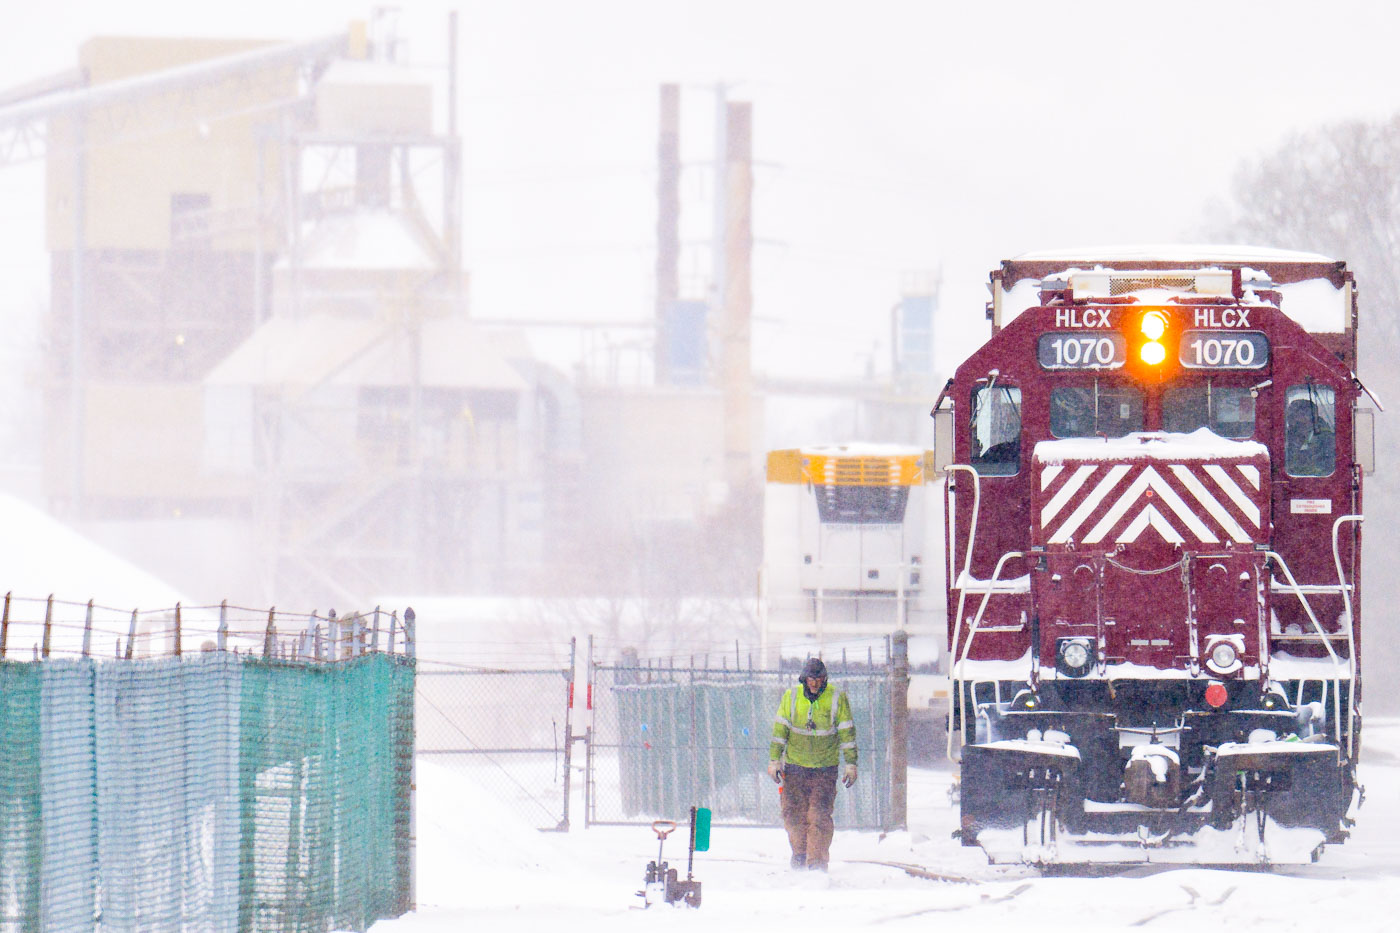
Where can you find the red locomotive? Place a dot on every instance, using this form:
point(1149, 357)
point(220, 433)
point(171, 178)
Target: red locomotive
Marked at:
point(1153, 518)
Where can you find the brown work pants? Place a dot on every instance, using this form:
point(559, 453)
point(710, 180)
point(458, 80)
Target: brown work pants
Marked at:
point(809, 794)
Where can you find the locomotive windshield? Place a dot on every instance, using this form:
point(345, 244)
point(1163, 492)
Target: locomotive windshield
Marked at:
point(1086, 411)
point(1227, 410)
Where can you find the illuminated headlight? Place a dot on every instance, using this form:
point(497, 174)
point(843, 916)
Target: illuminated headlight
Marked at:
point(1074, 656)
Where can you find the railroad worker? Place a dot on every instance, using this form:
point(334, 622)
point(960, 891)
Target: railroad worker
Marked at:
point(813, 730)
point(1311, 447)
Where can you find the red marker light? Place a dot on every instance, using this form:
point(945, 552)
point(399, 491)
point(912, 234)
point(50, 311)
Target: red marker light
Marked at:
point(1216, 695)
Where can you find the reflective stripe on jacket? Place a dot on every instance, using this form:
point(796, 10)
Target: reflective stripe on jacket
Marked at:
point(808, 731)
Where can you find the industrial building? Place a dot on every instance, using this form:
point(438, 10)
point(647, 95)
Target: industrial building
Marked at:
point(264, 375)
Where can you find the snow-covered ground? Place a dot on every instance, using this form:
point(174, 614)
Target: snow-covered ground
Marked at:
point(479, 869)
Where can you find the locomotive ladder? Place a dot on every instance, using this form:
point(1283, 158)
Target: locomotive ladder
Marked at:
point(1343, 588)
point(965, 584)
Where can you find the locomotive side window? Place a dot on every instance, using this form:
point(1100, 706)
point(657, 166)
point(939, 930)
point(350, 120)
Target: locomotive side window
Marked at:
point(1310, 438)
point(1084, 412)
point(1227, 410)
point(996, 430)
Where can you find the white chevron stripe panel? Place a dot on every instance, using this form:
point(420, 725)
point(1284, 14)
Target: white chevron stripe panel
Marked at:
point(1210, 504)
point(1150, 516)
point(1150, 479)
point(1090, 504)
point(1235, 493)
point(1067, 491)
point(1248, 506)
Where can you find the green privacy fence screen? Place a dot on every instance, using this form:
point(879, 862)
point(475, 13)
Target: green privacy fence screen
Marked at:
point(677, 738)
point(212, 791)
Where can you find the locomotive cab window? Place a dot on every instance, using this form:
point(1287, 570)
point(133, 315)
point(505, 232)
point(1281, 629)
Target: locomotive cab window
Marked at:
point(1112, 411)
point(1310, 433)
point(996, 430)
point(1227, 410)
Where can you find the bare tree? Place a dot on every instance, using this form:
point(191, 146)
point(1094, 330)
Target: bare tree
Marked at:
point(1336, 190)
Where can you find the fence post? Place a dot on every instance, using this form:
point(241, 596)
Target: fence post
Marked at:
point(131, 635)
point(409, 646)
point(5, 626)
point(223, 626)
point(899, 732)
point(588, 743)
point(270, 636)
point(179, 636)
point(48, 625)
point(569, 734)
point(87, 630)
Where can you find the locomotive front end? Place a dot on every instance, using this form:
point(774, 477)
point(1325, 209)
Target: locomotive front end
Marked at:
point(1154, 645)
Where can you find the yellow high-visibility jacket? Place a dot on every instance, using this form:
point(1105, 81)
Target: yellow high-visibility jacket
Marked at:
point(815, 733)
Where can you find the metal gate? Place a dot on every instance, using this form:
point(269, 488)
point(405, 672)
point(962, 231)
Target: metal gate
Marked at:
point(508, 732)
point(667, 738)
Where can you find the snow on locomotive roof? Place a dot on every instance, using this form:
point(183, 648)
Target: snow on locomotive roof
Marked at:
point(1172, 252)
point(1316, 305)
point(1201, 444)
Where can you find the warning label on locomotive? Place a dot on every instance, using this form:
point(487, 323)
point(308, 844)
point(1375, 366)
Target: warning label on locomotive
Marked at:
point(1310, 506)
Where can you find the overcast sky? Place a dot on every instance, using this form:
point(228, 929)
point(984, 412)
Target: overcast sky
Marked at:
point(893, 137)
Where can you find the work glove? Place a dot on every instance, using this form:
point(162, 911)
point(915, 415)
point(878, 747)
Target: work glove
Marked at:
point(775, 771)
point(849, 777)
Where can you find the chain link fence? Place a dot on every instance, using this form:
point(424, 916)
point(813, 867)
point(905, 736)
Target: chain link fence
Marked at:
point(506, 731)
point(665, 739)
point(261, 781)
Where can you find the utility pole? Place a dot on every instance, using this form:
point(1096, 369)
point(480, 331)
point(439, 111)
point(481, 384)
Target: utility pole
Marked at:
point(721, 215)
point(78, 410)
point(736, 366)
point(668, 221)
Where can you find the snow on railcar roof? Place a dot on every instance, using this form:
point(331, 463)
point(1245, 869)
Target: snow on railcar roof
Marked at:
point(1200, 444)
point(862, 449)
point(1172, 252)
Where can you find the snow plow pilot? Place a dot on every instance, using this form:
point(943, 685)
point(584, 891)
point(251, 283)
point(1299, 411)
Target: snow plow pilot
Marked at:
point(812, 731)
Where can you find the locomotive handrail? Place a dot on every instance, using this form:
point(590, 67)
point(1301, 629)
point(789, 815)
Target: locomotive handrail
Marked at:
point(957, 677)
point(1351, 622)
point(971, 536)
point(954, 579)
point(1336, 661)
point(1319, 588)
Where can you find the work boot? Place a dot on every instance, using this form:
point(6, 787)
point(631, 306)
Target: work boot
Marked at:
point(816, 866)
point(799, 862)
